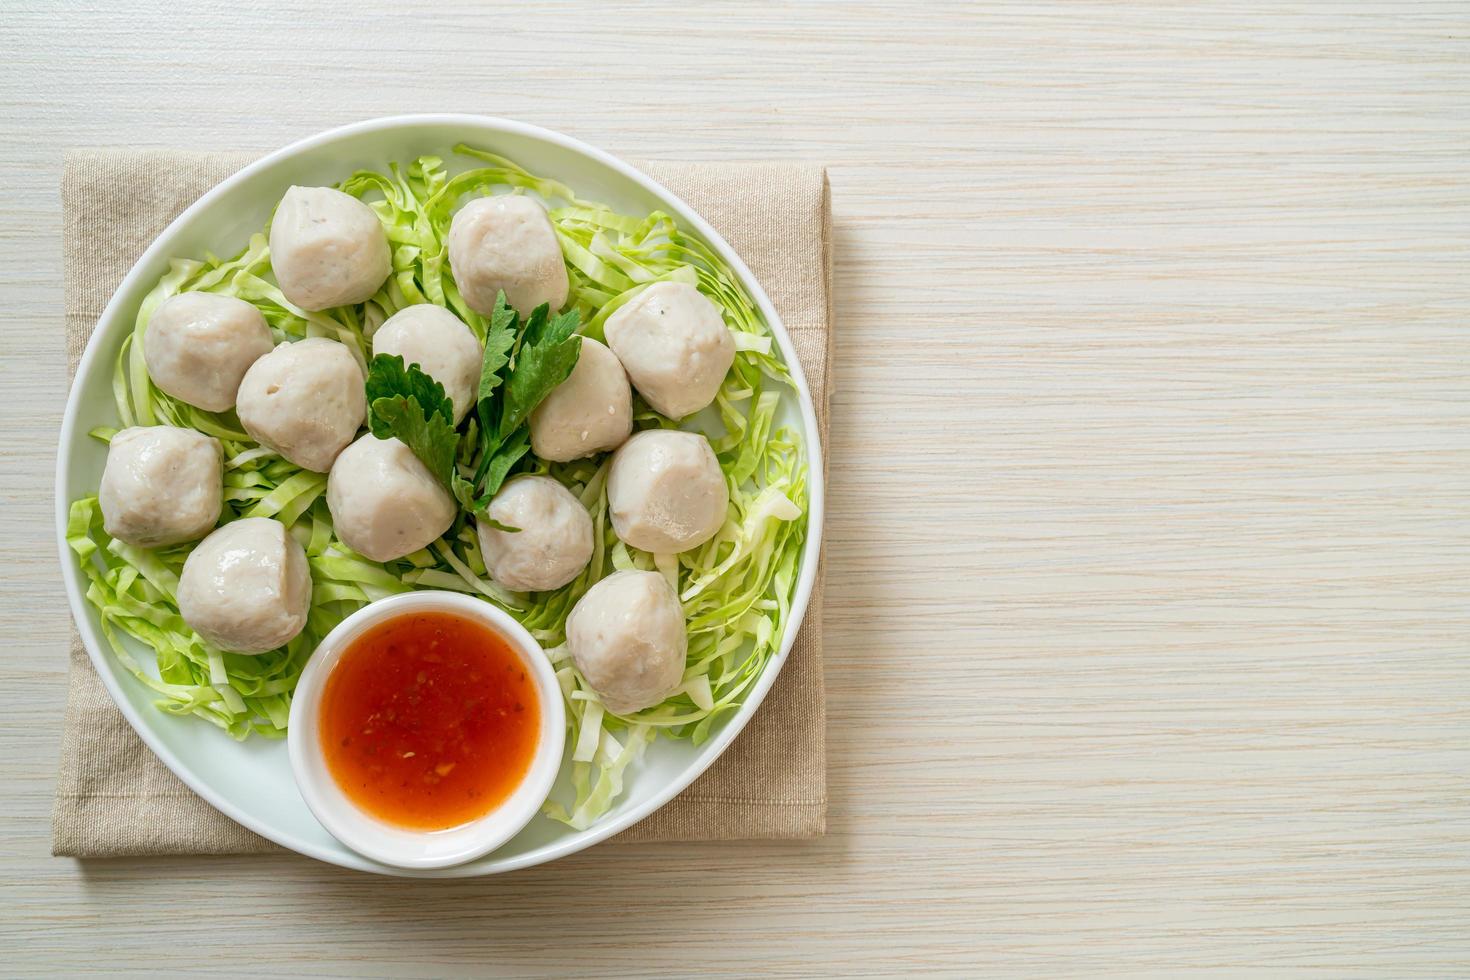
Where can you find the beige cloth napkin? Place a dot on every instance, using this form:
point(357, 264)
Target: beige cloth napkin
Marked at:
point(114, 798)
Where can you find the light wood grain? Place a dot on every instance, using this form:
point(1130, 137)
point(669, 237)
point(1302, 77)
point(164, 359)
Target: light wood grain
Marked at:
point(1149, 564)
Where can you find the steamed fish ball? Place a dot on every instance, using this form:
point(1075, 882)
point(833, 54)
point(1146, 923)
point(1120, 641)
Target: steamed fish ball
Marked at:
point(665, 491)
point(626, 636)
point(674, 345)
point(590, 411)
point(162, 485)
point(304, 400)
point(199, 345)
point(246, 588)
point(554, 542)
point(440, 344)
point(506, 243)
point(384, 501)
point(327, 248)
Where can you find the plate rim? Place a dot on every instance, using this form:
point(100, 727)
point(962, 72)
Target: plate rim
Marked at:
point(811, 549)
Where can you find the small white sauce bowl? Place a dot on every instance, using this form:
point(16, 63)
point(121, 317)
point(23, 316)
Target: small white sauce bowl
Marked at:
point(399, 846)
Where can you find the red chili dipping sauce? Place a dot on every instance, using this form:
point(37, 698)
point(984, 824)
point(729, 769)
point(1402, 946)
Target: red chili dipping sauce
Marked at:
point(429, 720)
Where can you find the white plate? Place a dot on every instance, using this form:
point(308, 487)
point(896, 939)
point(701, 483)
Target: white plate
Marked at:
point(251, 781)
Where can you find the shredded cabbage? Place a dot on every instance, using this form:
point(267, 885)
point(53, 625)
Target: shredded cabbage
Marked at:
point(736, 589)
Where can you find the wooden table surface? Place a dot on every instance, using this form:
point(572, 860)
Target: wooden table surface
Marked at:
point(1149, 545)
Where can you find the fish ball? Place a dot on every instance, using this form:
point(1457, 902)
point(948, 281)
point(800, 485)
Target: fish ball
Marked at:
point(384, 501)
point(327, 248)
point(305, 401)
point(665, 491)
point(626, 636)
point(506, 243)
point(554, 542)
point(674, 345)
point(440, 344)
point(591, 411)
point(199, 345)
point(247, 587)
point(161, 486)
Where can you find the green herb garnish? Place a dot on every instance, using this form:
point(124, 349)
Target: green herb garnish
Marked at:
point(520, 367)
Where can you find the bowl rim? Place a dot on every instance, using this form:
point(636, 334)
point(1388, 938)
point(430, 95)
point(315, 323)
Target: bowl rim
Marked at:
point(403, 847)
point(71, 433)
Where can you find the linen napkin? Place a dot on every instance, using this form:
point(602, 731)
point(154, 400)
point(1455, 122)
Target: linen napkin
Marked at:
point(115, 799)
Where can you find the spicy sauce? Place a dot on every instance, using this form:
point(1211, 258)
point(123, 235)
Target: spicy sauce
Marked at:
point(429, 720)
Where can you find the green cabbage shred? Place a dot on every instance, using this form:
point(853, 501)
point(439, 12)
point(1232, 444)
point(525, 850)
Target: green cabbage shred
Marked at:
point(736, 589)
